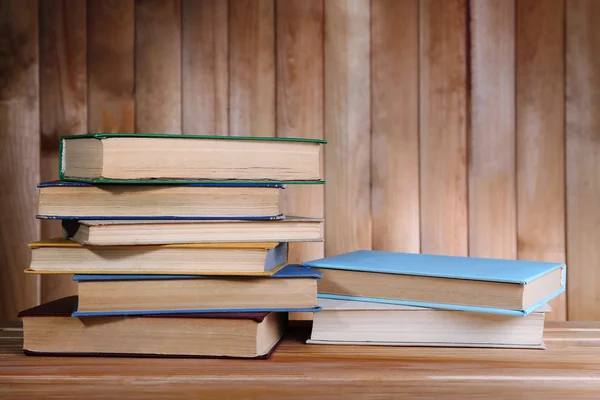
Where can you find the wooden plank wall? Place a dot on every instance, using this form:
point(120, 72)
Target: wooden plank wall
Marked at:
point(455, 127)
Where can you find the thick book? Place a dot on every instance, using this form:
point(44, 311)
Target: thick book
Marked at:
point(364, 323)
point(291, 289)
point(64, 256)
point(511, 287)
point(49, 329)
point(200, 201)
point(165, 158)
point(128, 232)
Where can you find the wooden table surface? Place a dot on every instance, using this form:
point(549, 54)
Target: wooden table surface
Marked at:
point(569, 368)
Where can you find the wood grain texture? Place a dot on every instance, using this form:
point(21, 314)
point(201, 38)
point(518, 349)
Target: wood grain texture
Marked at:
point(443, 129)
point(300, 103)
point(205, 83)
point(158, 66)
point(347, 127)
point(63, 103)
point(568, 369)
point(492, 175)
point(583, 158)
point(395, 125)
point(19, 153)
point(541, 135)
point(252, 67)
point(110, 66)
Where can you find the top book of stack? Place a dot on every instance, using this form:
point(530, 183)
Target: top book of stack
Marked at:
point(168, 159)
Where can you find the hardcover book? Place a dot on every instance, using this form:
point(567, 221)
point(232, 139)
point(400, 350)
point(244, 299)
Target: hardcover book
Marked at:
point(365, 323)
point(136, 232)
point(291, 289)
point(165, 158)
point(200, 201)
point(511, 287)
point(49, 329)
point(241, 259)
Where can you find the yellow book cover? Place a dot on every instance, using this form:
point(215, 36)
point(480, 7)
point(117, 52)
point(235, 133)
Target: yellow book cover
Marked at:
point(61, 242)
point(98, 258)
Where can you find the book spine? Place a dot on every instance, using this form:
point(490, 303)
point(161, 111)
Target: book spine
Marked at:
point(61, 156)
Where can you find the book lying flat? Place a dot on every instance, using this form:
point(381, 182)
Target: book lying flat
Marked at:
point(103, 233)
point(162, 158)
point(511, 287)
point(291, 289)
point(364, 323)
point(49, 329)
point(84, 201)
point(64, 256)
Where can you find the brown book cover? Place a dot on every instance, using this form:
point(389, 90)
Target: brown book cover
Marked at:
point(65, 306)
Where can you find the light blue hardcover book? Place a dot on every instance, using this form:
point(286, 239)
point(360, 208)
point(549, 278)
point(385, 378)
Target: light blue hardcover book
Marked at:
point(510, 287)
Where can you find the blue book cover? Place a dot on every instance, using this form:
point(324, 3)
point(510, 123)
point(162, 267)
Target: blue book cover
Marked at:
point(518, 272)
point(171, 312)
point(287, 272)
point(59, 183)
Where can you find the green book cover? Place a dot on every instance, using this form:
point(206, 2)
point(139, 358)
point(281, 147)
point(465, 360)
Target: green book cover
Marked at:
point(101, 136)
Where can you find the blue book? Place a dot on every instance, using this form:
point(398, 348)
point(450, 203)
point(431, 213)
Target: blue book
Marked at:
point(193, 201)
point(509, 287)
point(291, 289)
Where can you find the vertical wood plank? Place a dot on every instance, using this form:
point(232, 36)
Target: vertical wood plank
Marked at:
point(19, 153)
point(252, 67)
point(583, 158)
point(395, 130)
point(299, 106)
point(492, 175)
point(300, 102)
point(443, 116)
point(347, 127)
point(541, 135)
point(63, 96)
point(158, 66)
point(205, 67)
point(110, 65)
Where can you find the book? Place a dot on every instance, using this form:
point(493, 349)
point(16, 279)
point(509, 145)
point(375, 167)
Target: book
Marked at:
point(128, 232)
point(365, 323)
point(511, 287)
point(49, 329)
point(165, 158)
point(291, 289)
point(64, 256)
point(84, 201)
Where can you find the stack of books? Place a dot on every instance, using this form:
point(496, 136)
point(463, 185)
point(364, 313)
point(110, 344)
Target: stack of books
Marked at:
point(177, 243)
point(387, 298)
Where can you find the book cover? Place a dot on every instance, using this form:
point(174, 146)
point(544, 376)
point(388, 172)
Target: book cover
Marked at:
point(290, 271)
point(61, 242)
point(176, 136)
point(438, 266)
point(66, 306)
point(356, 305)
point(193, 312)
point(455, 307)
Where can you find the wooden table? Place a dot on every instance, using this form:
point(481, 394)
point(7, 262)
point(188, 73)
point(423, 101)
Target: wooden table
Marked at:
point(570, 368)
